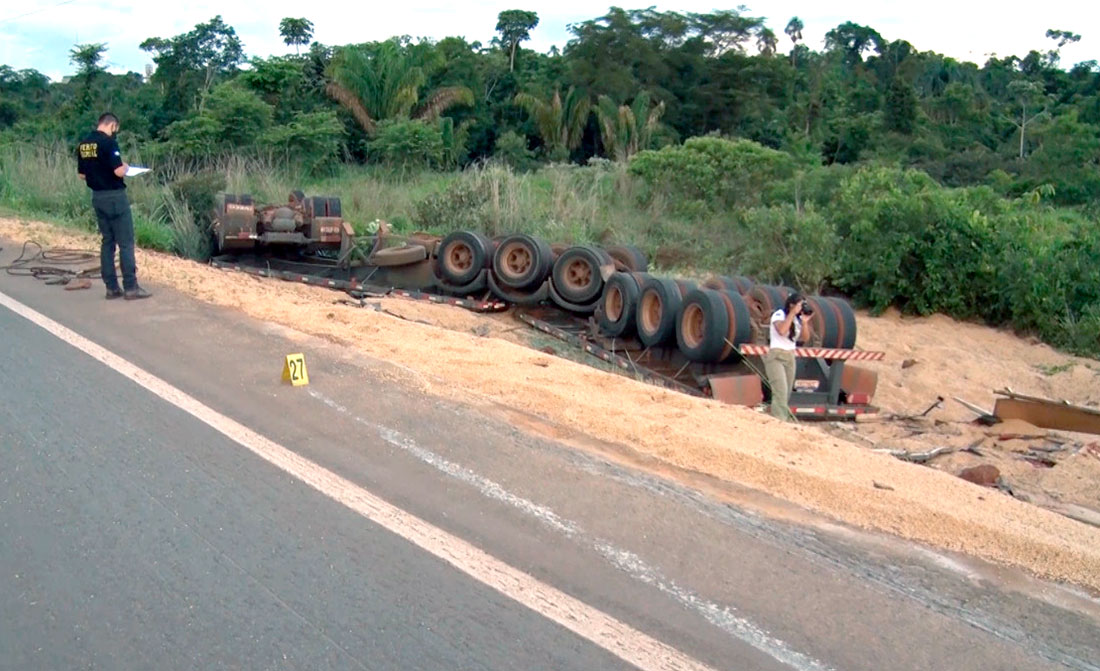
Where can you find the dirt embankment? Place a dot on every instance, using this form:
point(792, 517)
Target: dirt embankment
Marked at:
point(937, 356)
point(482, 359)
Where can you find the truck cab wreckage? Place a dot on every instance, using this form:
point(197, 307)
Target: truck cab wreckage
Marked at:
point(700, 338)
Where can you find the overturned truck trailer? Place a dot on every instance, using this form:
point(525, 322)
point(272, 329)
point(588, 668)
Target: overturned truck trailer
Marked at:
point(704, 338)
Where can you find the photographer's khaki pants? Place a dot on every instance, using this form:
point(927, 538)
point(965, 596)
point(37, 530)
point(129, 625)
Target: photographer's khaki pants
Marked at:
point(779, 367)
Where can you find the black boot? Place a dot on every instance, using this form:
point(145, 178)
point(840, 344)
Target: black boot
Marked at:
point(136, 293)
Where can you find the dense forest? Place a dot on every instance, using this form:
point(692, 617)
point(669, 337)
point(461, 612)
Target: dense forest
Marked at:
point(896, 176)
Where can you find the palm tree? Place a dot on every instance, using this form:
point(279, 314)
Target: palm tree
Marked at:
point(386, 84)
point(560, 123)
point(794, 31)
point(767, 42)
point(626, 130)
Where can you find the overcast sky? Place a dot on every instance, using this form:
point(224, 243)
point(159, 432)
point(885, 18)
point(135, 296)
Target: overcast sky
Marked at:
point(39, 33)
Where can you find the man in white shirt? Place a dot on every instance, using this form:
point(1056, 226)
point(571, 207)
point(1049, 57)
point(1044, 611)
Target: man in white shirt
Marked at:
point(786, 329)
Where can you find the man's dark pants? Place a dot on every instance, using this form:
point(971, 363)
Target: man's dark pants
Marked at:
point(112, 210)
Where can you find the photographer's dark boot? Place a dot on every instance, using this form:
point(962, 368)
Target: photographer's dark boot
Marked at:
point(136, 293)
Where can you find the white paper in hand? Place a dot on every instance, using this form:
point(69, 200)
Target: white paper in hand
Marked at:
point(134, 171)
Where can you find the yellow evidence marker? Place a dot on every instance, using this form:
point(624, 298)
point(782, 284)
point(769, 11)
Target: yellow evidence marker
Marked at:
point(294, 370)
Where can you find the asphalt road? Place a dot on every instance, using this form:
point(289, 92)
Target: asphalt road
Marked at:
point(134, 536)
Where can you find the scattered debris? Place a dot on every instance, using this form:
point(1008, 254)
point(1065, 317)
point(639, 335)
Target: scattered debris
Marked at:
point(984, 416)
point(985, 475)
point(972, 448)
point(879, 485)
point(836, 428)
point(74, 285)
point(917, 457)
point(908, 363)
point(1057, 447)
point(481, 330)
point(935, 404)
point(1039, 461)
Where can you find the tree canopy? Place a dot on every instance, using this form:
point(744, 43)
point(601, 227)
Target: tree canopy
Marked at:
point(626, 81)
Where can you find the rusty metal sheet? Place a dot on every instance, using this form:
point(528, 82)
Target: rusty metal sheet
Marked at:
point(858, 380)
point(737, 389)
point(1049, 414)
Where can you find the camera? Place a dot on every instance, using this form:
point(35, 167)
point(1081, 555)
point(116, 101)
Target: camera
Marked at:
point(807, 309)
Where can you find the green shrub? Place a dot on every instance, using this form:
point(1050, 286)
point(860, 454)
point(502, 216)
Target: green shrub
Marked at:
point(910, 243)
point(511, 148)
point(241, 115)
point(192, 137)
point(407, 144)
point(460, 206)
point(782, 245)
point(314, 140)
point(198, 192)
point(190, 233)
point(151, 234)
point(710, 174)
point(1051, 278)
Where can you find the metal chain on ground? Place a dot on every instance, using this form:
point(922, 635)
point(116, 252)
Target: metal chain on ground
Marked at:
point(49, 264)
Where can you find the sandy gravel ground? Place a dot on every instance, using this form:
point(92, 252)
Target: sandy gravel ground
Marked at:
point(841, 478)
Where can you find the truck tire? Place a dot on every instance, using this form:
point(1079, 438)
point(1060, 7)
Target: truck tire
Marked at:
point(686, 286)
point(576, 273)
point(333, 207)
point(615, 315)
point(769, 298)
point(740, 324)
point(702, 326)
point(522, 262)
point(824, 321)
point(398, 256)
point(630, 257)
point(736, 283)
point(314, 206)
point(846, 323)
point(462, 255)
point(244, 199)
point(658, 309)
point(228, 199)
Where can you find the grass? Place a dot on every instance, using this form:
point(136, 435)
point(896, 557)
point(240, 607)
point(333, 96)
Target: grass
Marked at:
point(1053, 369)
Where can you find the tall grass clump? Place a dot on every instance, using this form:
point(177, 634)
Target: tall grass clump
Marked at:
point(42, 180)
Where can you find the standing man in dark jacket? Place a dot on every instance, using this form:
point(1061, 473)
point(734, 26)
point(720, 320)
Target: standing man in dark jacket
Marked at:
point(100, 165)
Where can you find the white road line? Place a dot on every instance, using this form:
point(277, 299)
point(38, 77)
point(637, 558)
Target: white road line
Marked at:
point(723, 617)
point(618, 638)
point(487, 487)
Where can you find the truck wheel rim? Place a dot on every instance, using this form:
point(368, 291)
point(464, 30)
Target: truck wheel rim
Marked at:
point(517, 260)
point(651, 312)
point(693, 325)
point(614, 307)
point(460, 258)
point(578, 275)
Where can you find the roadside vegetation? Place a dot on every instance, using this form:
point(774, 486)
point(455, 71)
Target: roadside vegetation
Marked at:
point(895, 177)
